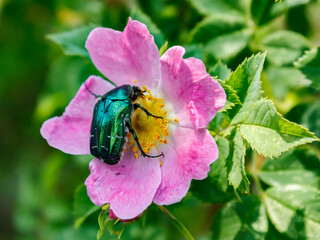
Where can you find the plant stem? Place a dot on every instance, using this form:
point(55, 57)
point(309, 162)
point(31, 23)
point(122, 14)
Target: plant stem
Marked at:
point(182, 229)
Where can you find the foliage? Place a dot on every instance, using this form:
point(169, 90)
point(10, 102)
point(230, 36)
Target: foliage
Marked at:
point(265, 183)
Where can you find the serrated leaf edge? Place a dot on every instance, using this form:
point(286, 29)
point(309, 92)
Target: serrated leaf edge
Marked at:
point(233, 92)
point(295, 124)
point(244, 176)
point(243, 63)
point(304, 56)
point(240, 66)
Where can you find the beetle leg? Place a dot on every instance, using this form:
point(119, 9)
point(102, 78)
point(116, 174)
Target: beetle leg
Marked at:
point(96, 96)
point(137, 105)
point(137, 141)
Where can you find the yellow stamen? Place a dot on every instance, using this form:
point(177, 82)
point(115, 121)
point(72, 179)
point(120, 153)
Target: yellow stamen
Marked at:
point(135, 81)
point(151, 131)
point(176, 120)
point(166, 132)
point(146, 150)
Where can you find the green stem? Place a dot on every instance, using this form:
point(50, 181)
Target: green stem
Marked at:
point(102, 220)
point(182, 229)
point(163, 48)
point(222, 132)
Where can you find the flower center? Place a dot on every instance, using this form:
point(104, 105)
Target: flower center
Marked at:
point(150, 130)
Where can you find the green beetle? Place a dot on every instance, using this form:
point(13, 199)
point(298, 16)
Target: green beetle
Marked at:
point(112, 121)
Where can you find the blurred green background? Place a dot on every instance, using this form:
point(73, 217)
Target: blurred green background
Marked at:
point(37, 80)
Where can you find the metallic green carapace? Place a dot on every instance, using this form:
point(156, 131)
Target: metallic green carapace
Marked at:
point(111, 122)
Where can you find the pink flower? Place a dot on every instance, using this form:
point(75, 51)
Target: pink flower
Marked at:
point(179, 89)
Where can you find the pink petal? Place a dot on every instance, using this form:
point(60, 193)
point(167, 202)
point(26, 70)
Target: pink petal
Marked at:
point(113, 216)
point(70, 132)
point(125, 56)
point(197, 97)
point(128, 186)
point(188, 157)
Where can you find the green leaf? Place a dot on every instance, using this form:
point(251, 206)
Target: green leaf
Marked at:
point(274, 234)
point(182, 229)
point(246, 82)
point(215, 26)
point(223, 36)
point(83, 207)
point(73, 42)
point(283, 80)
point(159, 39)
point(284, 47)
point(261, 11)
point(194, 50)
point(227, 46)
point(264, 11)
point(224, 151)
point(226, 224)
point(269, 133)
point(232, 7)
point(282, 6)
point(236, 163)
point(293, 167)
point(294, 210)
point(215, 123)
point(293, 3)
point(223, 72)
point(238, 221)
point(311, 118)
point(218, 171)
point(298, 21)
point(232, 98)
point(309, 64)
point(220, 71)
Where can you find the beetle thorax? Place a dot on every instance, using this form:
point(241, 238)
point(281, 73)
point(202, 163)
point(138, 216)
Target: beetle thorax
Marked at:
point(151, 131)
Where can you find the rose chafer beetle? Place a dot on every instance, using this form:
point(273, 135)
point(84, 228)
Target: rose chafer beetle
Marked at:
point(112, 121)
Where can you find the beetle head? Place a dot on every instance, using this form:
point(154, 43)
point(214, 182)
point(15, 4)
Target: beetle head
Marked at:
point(137, 92)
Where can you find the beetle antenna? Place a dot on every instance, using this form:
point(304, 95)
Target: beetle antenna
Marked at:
point(97, 96)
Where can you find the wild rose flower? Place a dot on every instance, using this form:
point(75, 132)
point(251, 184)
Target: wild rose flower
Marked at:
point(179, 90)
